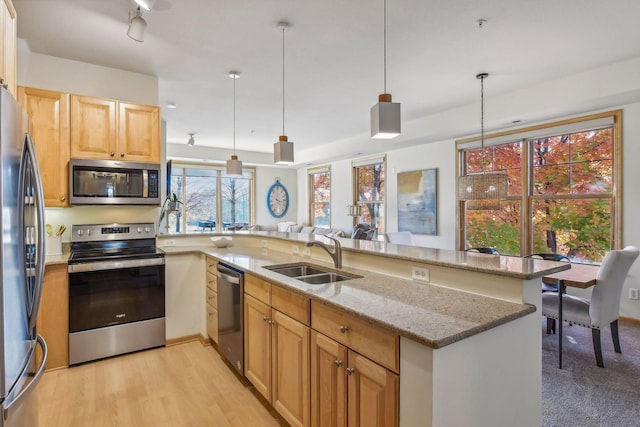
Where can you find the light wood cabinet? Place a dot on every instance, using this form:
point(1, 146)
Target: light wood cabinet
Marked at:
point(212, 300)
point(53, 317)
point(49, 126)
point(348, 387)
point(373, 393)
point(110, 130)
point(8, 43)
point(277, 359)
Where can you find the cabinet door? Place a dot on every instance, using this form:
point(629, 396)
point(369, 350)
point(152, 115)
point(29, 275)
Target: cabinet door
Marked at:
point(93, 128)
point(212, 323)
point(8, 40)
point(328, 382)
point(53, 318)
point(290, 369)
point(373, 393)
point(49, 126)
point(257, 345)
point(138, 133)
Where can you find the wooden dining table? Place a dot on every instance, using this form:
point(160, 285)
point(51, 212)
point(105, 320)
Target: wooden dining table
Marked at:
point(578, 276)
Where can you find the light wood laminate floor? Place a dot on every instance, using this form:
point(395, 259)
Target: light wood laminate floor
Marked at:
point(182, 385)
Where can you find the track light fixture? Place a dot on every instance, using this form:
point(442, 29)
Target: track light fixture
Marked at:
point(191, 141)
point(146, 4)
point(137, 25)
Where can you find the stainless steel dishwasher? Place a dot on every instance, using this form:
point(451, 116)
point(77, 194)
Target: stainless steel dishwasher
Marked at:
point(230, 315)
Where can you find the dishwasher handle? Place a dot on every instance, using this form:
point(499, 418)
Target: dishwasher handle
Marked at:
point(229, 275)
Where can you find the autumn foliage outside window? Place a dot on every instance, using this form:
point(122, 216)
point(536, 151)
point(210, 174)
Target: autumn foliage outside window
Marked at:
point(570, 198)
point(320, 190)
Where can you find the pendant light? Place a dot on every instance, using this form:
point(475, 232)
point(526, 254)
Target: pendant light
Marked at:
point(234, 166)
point(385, 115)
point(283, 149)
point(137, 25)
point(482, 191)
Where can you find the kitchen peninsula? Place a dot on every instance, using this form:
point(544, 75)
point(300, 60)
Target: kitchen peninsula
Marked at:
point(469, 334)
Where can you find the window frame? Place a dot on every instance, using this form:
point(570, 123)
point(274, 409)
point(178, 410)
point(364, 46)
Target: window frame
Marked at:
point(527, 197)
point(220, 168)
point(368, 161)
point(312, 202)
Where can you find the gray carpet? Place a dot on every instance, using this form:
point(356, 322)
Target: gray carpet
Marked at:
point(581, 394)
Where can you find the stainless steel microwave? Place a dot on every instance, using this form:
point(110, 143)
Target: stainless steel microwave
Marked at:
point(108, 182)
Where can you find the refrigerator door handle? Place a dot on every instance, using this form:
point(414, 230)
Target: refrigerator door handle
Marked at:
point(37, 263)
point(36, 378)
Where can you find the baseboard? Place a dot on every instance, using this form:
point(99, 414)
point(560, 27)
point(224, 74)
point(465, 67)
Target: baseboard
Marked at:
point(184, 339)
point(630, 320)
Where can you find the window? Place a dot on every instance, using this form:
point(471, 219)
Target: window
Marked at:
point(370, 192)
point(561, 194)
point(211, 200)
point(320, 197)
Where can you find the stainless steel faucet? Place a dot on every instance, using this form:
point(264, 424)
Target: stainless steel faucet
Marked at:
point(335, 253)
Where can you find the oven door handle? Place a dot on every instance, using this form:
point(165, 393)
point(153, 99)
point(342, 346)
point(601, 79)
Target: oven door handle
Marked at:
point(113, 265)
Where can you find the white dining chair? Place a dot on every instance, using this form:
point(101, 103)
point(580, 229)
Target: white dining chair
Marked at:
point(603, 309)
point(399, 237)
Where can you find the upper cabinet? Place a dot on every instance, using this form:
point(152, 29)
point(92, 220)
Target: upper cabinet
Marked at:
point(112, 130)
point(8, 37)
point(49, 126)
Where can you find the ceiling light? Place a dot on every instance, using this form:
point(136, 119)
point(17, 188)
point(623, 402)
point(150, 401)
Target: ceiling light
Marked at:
point(482, 191)
point(234, 166)
point(137, 25)
point(191, 141)
point(146, 4)
point(385, 115)
point(283, 149)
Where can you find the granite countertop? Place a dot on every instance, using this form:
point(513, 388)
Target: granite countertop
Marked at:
point(510, 266)
point(432, 315)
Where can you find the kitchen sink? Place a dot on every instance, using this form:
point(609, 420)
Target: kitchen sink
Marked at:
point(310, 274)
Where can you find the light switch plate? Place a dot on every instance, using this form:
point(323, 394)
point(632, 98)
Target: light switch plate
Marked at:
point(306, 251)
point(633, 293)
point(169, 242)
point(295, 249)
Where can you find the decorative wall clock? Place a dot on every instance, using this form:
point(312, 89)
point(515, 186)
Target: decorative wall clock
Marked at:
point(278, 200)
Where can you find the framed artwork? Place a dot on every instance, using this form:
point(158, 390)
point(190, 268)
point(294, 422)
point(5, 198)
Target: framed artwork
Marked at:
point(417, 201)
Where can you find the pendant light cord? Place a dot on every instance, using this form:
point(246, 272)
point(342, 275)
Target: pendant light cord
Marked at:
point(234, 115)
point(482, 121)
point(384, 37)
point(283, 30)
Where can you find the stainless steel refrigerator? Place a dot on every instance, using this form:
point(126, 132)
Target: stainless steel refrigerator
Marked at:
point(21, 266)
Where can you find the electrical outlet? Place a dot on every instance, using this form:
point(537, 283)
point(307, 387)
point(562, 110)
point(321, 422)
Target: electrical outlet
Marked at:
point(264, 243)
point(306, 251)
point(633, 293)
point(420, 274)
point(295, 249)
point(168, 243)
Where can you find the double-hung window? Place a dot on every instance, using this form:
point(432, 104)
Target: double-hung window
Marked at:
point(320, 197)
point(563, 192)
point(370, 178)
point(211, 200)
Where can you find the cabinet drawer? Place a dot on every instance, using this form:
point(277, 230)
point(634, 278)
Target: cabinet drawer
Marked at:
point(257, 288)
point(211, 265)
point(291, 304)
point(368, 340)
point(212, 298)
point(212, 323)
point(212, 281)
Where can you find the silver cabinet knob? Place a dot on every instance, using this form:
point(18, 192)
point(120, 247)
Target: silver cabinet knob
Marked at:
point(350, 371)
point(265, 318)
point(338, 363)
point(344, 329)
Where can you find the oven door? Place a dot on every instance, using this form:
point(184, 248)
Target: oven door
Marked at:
point(109, 293)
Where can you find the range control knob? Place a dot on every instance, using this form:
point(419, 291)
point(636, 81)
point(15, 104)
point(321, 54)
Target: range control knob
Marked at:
point(88, 232)
point(139, 230)
point(147, 229)
point(80, 232)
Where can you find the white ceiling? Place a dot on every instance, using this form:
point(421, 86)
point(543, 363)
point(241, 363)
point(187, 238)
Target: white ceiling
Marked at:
point(334, 56)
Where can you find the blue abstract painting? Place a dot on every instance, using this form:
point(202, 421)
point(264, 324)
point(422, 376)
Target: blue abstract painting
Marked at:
point(417, 199)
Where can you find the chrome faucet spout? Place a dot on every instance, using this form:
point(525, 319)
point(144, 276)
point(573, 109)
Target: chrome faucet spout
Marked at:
point(335, 253)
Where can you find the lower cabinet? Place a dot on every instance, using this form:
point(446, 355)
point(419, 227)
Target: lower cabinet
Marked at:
point(276, 350)
point(53, 317)
point(212, 300)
